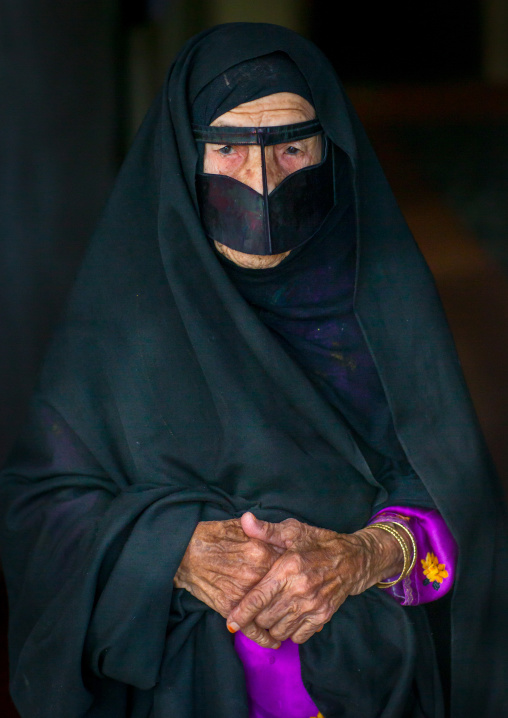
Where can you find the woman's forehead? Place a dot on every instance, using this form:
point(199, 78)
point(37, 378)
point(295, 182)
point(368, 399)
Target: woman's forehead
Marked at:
point(280, 108)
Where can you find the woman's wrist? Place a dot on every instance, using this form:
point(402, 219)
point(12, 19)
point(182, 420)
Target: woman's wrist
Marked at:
point(386, 554)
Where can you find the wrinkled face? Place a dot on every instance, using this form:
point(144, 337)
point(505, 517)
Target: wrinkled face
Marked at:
point(243, 162)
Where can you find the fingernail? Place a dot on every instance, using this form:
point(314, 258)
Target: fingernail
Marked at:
point(233, 627)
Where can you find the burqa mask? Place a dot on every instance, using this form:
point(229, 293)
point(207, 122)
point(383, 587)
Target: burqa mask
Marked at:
point(236, 215)
point(233, 213)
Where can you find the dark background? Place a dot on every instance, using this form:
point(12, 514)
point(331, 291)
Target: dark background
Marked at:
point(430, 83)
point(393, 42)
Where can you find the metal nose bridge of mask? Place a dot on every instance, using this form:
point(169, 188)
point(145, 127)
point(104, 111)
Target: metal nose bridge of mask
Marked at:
point(262, 136)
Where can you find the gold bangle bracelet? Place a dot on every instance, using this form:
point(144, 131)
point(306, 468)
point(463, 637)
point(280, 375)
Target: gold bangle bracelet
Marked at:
point(413, 544)
point(405, 552)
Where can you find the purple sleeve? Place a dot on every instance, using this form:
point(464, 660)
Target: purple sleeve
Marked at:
point(436, 561)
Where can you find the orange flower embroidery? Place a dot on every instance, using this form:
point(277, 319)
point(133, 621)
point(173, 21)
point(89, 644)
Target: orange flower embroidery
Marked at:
point(434, 571)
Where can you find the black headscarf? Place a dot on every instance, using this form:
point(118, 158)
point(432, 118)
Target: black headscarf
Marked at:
point(165, 400)
point(248, 81)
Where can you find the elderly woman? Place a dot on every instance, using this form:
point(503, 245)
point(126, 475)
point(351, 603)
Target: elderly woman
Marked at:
point(252, 418)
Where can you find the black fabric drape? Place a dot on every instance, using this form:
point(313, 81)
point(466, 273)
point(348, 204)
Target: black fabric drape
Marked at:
point(307, 302)
point(164, 401)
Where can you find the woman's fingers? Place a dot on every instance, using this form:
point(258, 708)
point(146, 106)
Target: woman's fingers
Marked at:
point(283, 591)
point(282, 534)
point(222, 564)
point(288, 624)
point(300, 616)
point(303, 589)
point(255, 601)
point(305, 631)
point(260, 636)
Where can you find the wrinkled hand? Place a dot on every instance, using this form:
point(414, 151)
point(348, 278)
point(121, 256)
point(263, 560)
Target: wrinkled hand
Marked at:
point(318, 570)
point(221, 565)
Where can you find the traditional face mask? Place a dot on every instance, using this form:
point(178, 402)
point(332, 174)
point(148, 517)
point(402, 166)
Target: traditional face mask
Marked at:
point(234, 214)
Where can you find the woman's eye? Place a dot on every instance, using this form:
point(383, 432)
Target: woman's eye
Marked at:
point(226, 150)
point(291, 150)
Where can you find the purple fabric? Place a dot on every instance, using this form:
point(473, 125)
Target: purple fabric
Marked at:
point(274, 680)
point(434, 571)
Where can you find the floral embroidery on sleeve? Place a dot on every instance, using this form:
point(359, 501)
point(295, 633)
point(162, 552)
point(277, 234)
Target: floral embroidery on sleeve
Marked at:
point(434, 571)
point(432, 577)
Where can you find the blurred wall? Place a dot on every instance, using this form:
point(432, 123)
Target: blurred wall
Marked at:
point(151, 47)
point(290, 13)
point(426, 42)
point(495, 40)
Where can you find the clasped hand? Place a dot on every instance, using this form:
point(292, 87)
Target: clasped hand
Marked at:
point(282, 580)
